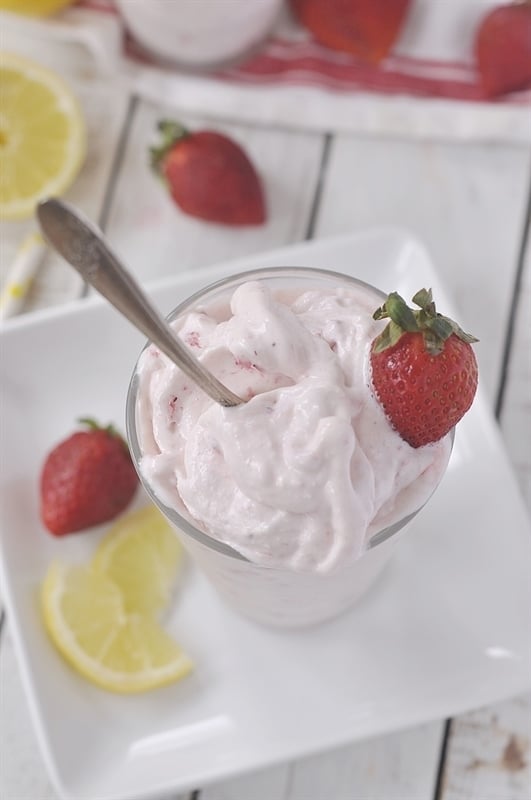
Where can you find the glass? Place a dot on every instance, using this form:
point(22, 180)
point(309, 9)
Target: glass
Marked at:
point(199, 33)
point(273, 596)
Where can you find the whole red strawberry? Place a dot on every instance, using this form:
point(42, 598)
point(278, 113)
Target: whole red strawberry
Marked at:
point(87, 479)
point(503, 49)
point(365, 28)
point(424, 371)
point(209, 176)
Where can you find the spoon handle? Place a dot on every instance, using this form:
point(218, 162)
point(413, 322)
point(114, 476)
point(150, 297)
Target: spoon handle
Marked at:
point(83, 246)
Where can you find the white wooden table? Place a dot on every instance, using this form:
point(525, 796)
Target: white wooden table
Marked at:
point(470, 204)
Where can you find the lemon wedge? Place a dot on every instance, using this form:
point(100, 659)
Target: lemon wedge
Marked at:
point(86, 619)
point(42, 136)
point(141, 555)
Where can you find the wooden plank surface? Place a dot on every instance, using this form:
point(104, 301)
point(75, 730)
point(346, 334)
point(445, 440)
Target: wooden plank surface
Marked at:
point(288, 163)
point(490, 754)
point(272, 783)
point(516, 402)
point(394, 767)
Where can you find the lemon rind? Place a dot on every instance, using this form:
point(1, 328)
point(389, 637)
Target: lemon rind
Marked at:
point(77, 141)
point(65, 641)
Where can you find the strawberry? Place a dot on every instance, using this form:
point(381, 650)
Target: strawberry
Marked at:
point(209, 176)
point(365, 28)
point(87, 479)
point(424, 371)
point(503, 49)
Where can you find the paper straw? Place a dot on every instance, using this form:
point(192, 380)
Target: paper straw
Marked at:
point(21, 275)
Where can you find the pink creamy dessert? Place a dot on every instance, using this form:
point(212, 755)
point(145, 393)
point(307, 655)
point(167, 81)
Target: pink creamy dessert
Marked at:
point(301, 476)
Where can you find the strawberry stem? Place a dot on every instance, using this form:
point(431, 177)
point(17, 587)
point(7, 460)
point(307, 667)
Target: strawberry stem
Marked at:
point(434, 327)
point(94, 425)
point(171, 132)
point(397, 309)
point(90, 422)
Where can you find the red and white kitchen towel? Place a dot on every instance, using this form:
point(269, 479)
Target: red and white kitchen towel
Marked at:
point(428, 87)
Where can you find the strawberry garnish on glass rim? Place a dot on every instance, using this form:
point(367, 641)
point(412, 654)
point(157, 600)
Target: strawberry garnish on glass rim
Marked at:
point(424, 371)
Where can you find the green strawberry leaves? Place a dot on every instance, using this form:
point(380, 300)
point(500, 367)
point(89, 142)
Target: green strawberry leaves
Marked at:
point(434, 327)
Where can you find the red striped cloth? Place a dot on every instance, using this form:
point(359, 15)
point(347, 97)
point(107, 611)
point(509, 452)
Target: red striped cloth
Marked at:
point(297, 61)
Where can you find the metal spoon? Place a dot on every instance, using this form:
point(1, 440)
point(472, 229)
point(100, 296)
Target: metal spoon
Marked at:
point(84, 247)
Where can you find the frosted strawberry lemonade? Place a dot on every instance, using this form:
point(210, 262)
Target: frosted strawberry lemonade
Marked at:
point(291, 501)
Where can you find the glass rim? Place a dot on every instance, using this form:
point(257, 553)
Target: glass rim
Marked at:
point(173, 515)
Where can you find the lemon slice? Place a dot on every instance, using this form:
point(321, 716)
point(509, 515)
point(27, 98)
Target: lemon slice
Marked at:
point(33, 7)
point(85, 617)
point(42, 136)
point(141, 554)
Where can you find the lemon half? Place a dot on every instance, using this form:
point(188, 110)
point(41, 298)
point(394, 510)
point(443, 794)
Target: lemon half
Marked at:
point(86, 619)
point(42, 135)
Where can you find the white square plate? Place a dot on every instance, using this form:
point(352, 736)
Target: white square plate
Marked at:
point(444, 630)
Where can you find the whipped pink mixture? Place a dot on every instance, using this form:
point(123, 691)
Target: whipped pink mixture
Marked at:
point(309, 468)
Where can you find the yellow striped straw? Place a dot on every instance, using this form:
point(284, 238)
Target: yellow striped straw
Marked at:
point(21, 275)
